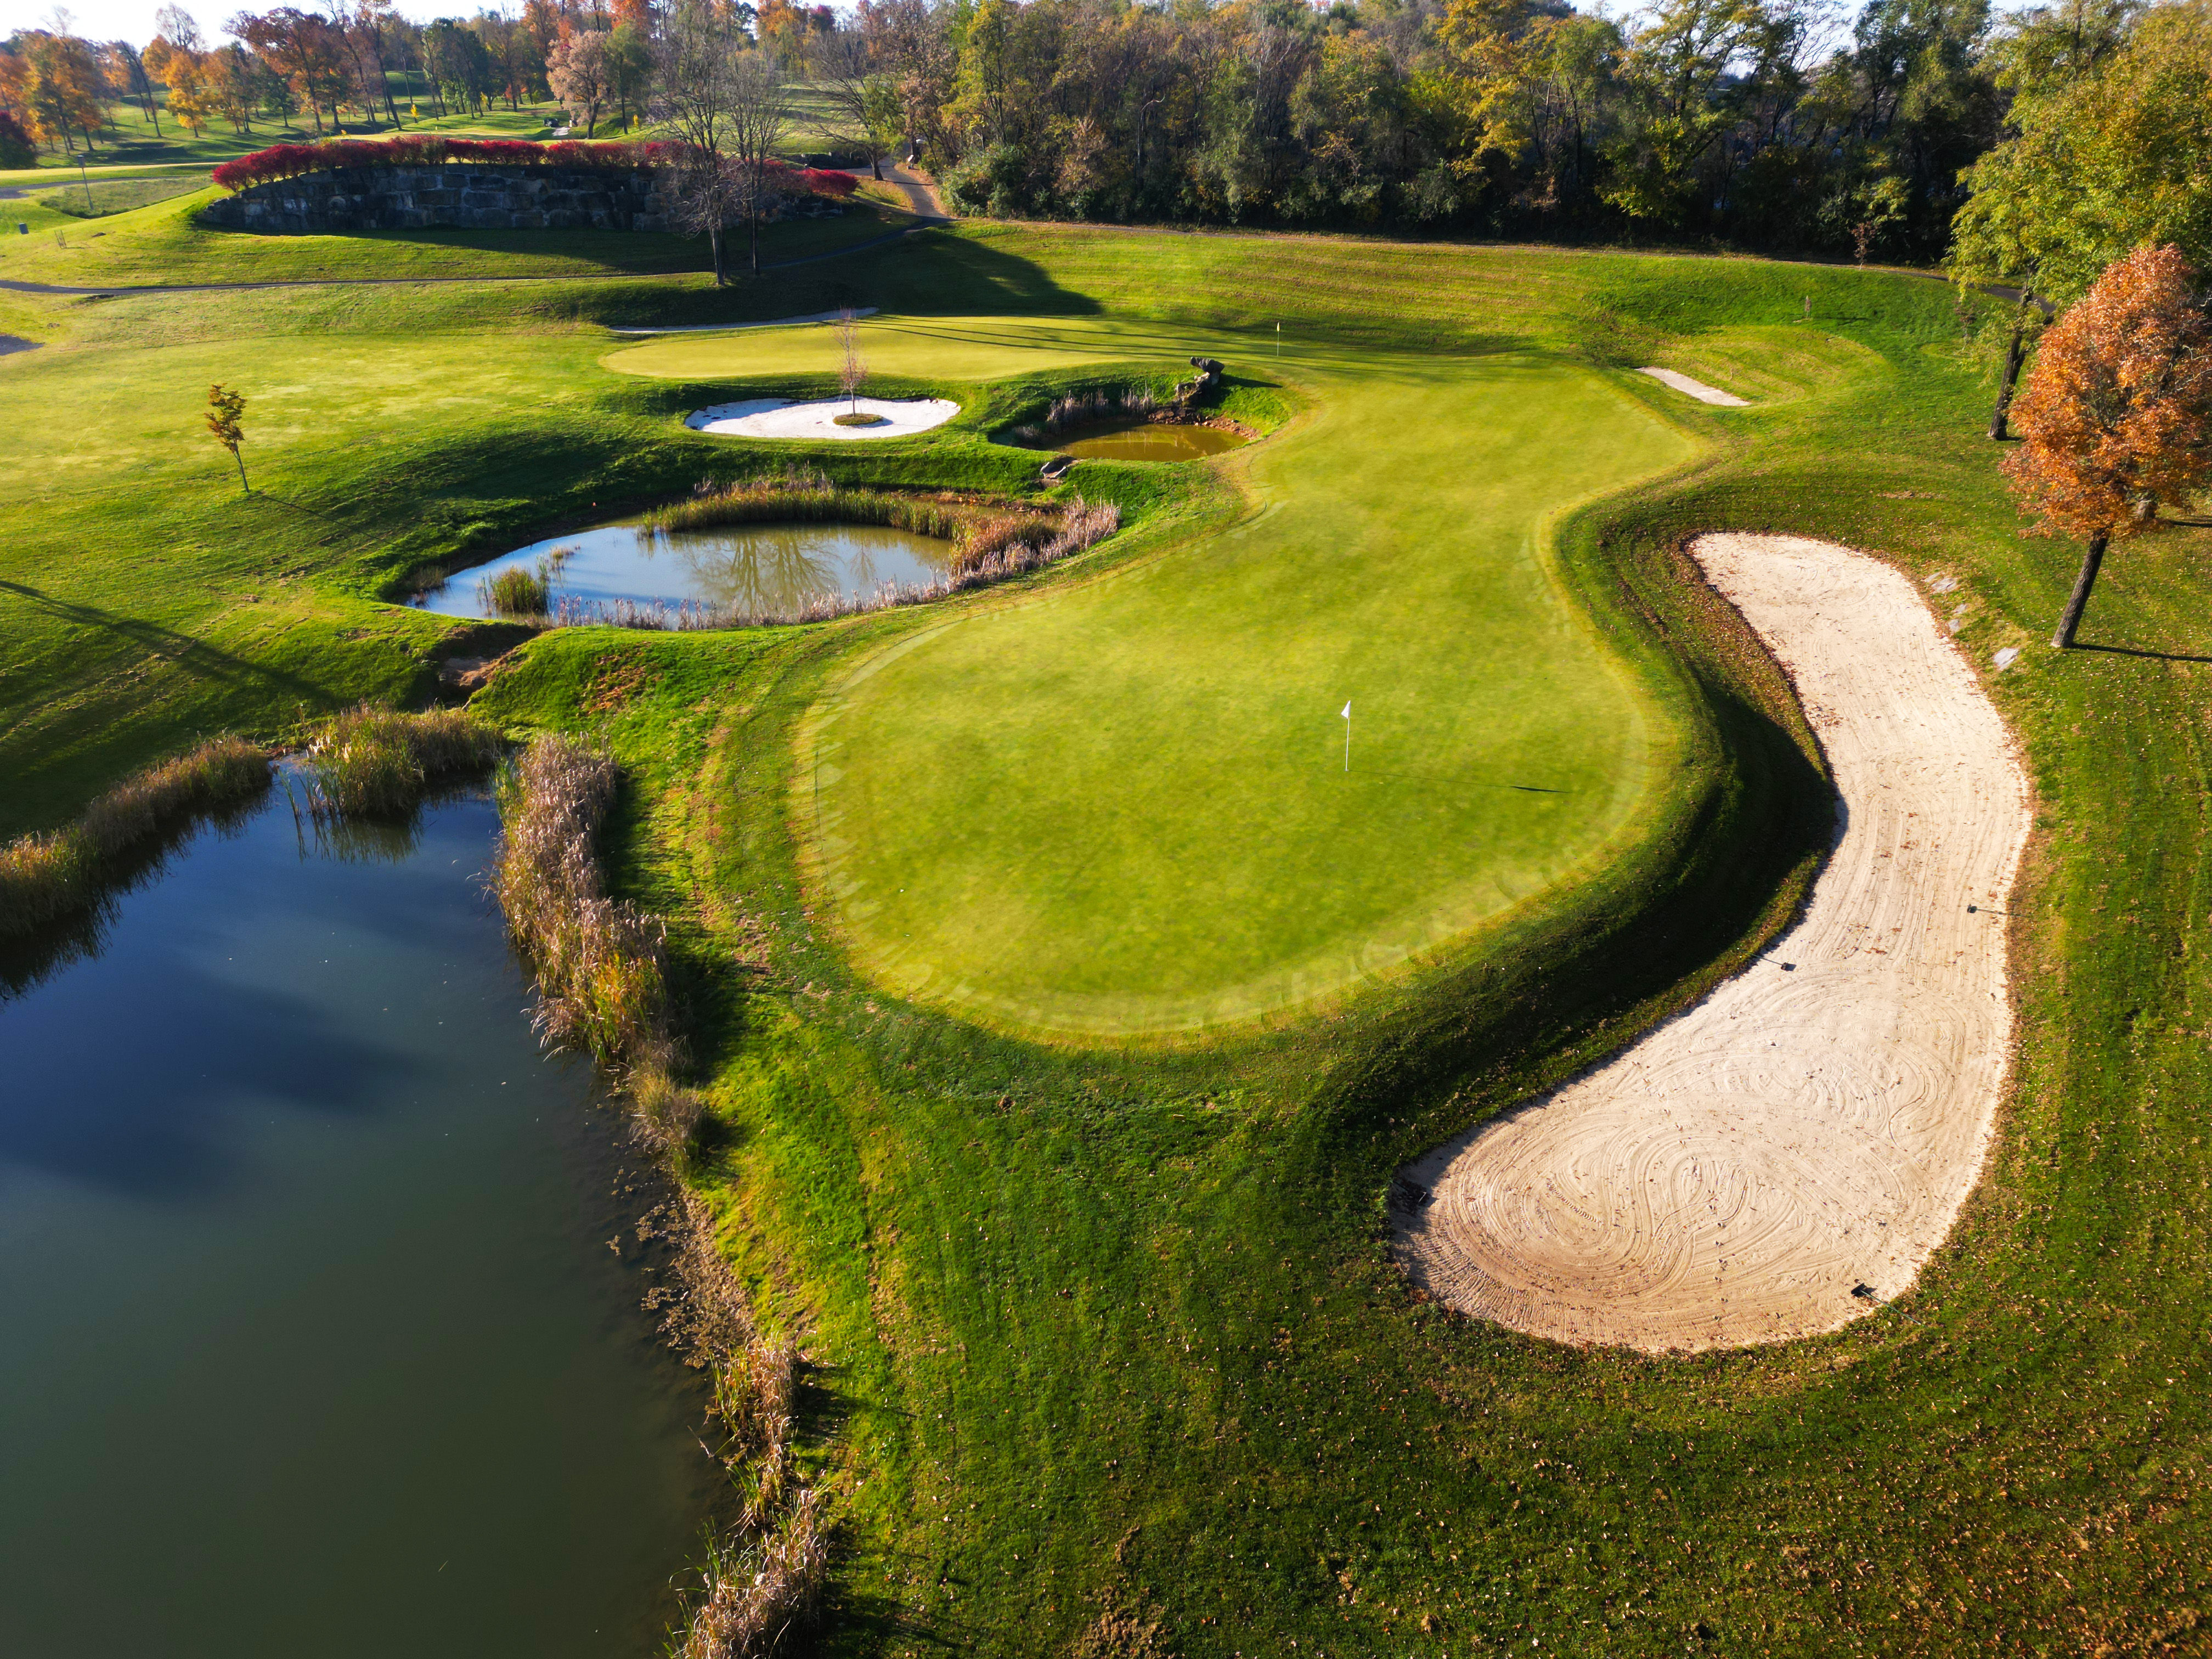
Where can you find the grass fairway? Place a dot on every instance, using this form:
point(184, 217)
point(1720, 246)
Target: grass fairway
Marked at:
point(1123, 807)
point(1113, 1325)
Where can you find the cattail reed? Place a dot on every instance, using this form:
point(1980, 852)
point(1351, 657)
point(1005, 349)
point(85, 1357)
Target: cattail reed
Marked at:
point(44, 877)
point(601, 987)
point(377, 762)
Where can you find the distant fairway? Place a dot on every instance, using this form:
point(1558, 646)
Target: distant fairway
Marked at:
point(1121, 808)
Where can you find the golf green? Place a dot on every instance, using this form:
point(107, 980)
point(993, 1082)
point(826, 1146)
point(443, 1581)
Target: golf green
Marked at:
point(1122, 807)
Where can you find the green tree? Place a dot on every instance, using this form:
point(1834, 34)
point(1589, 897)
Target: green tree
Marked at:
point(2112, 150)
point(1680, 100)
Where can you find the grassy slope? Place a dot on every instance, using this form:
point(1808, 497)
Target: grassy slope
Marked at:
point(1098, 1326)
point(1109, 1325)
point(167, 243)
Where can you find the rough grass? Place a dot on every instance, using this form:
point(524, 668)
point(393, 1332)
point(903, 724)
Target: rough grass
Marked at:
point(164, 242)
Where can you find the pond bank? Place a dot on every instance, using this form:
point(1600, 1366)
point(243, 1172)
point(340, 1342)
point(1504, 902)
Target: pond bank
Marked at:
point(317, 1341)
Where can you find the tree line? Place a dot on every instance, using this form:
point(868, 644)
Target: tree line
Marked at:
point(1785, 125)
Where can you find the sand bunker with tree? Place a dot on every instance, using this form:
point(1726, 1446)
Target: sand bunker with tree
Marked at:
point(1785, 1155)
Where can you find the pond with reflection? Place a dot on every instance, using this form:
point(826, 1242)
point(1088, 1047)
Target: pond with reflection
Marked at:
point(752, 569)
point(315, 1343)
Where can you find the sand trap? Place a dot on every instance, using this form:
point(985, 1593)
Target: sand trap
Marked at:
point(1783, 1157)
point(779, 417)
point(1698, 389)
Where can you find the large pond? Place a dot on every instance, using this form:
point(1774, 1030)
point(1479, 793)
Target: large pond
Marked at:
point(1129, 437)
point(314, 1340)
point(755, 570)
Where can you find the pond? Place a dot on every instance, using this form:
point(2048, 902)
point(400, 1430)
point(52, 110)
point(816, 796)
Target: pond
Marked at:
point(315, 1343)
point(1129, 437)
point(757, 569)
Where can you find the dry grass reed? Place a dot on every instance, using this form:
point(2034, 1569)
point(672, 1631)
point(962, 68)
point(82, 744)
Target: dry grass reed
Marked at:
point(523, 593)
point(45, 877)
point(1086, 407)
point(766, 1575)
point(376, 763)
point(758, 1589)
point(515, 593)
point(602, 985)
point(802, 495)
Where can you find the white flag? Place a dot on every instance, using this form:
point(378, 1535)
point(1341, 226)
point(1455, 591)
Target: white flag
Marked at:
point(1347, 712)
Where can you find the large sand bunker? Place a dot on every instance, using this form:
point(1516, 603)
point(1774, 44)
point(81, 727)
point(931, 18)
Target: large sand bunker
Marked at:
point(1784, 1155)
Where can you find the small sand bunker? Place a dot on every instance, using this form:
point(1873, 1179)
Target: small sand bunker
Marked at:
point(1784, 1156)
point(779, 417)
point(1698, 389)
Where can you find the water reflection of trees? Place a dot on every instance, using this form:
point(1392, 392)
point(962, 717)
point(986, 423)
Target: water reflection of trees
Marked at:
point(766, 570)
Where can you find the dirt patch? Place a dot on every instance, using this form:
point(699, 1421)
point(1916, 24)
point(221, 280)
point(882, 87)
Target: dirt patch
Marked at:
point(1784, 1157)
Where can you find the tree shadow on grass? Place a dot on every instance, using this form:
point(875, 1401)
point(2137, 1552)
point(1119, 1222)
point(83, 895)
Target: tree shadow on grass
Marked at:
point(195, 656)
point(2136, 651)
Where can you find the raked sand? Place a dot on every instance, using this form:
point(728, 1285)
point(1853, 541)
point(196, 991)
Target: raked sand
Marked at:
point(1784, 1156)
point(779, 417)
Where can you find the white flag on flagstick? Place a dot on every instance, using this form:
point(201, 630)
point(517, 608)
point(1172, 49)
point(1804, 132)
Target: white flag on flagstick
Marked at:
point(1347, 711)
point(1347, 734)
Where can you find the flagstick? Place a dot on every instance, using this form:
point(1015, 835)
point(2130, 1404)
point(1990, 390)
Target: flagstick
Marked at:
point(1347, 737)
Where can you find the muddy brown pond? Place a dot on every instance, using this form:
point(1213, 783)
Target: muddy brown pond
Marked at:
point(1126, 438)
point(315, 1344)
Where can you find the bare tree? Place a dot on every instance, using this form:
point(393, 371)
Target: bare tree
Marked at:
point(759, 112)
point(856, 367)
point(856, 109)
point(700, 43)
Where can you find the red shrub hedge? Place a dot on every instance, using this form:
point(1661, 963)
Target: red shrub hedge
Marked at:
point(294, 160)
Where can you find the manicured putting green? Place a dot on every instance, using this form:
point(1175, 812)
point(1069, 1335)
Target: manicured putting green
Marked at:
point(1120, 807)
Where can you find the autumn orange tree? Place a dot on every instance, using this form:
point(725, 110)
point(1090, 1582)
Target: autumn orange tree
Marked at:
point(2116, 419)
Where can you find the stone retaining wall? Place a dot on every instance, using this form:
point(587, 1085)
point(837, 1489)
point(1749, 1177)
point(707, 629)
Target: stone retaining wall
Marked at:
point(472, 196)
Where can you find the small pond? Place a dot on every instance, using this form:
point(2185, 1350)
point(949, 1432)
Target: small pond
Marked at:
point(315, 1343)
point(1126, 438)
point(754, 568)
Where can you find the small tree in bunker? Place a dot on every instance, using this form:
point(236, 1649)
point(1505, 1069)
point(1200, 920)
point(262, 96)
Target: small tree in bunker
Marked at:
point(2116, 417)
point(856, 369)
point(226, 414)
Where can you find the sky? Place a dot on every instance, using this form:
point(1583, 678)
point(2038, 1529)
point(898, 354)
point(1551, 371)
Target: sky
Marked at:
point(133, 19)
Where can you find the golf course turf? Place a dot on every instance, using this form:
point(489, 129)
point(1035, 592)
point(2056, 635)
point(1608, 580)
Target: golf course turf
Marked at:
point(1115, 1325)
point(1170, 837)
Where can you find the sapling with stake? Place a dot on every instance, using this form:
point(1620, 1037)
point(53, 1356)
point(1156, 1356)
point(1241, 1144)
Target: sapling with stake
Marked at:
point(226, 414)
